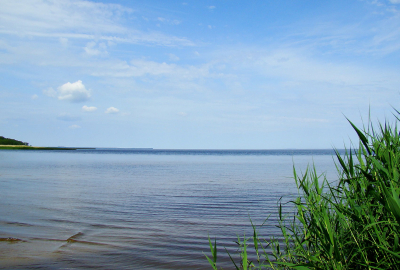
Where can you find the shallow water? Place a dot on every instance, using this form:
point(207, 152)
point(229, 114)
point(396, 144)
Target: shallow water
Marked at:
point(139, 209)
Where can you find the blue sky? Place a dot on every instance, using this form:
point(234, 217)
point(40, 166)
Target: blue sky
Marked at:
point(196, 74)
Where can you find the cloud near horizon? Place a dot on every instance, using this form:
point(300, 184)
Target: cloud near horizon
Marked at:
point(89, 108)
point(112, 110)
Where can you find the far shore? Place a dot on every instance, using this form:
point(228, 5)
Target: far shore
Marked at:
point(25, 147)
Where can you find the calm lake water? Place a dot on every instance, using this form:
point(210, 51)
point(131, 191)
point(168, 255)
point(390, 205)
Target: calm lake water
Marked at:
point(139, 209)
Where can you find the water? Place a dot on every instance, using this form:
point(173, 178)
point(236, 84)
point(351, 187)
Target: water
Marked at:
point(139, 209)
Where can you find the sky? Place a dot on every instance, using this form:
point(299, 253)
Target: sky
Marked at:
point(212, 74)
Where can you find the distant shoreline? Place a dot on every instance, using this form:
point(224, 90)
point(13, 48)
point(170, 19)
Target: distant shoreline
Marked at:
point(25, 147)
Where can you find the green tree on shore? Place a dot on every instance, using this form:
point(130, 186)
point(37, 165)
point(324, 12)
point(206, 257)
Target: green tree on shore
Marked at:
point(7, 141)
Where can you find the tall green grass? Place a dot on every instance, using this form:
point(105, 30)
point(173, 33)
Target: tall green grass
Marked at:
point(353, 223)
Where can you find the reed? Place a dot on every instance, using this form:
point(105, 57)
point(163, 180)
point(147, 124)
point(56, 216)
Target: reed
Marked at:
point(352, 223)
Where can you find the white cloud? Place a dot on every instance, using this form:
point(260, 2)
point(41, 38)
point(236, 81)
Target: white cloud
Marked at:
point(395, 1)
point(112, 110)
point(74, 92)
point(74, 127)
point(211, 7)
point(35, 97)
point(88, 109)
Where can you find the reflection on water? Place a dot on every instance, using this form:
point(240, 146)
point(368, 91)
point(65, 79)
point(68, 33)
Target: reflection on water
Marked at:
point(117, 209)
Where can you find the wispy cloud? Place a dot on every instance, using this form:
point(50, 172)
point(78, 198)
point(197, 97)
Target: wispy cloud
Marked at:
point(378, 34)
point(140, 68)
point(173, 57)
point(69, 19)
point(93, 49)
point(74, 127)
point(49, 16)
point(50, 92)
point(68, 117)
point(168, 21)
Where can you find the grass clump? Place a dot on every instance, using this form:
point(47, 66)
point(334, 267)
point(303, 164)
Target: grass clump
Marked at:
point(353, 223)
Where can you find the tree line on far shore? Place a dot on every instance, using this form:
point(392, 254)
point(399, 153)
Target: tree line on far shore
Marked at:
point(8, 141)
